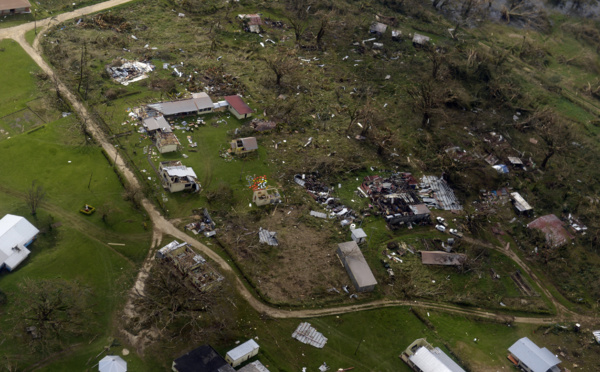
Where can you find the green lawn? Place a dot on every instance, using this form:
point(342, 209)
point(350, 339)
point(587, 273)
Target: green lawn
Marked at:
point(18, 87)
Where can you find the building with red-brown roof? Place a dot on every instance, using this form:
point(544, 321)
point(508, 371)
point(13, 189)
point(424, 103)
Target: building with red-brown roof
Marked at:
point(553, 228)
point(238, 107)
point(14, 7)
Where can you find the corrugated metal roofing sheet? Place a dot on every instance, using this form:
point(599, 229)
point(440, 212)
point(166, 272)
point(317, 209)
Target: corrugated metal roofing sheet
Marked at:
point(306, 334)
point(536, 358)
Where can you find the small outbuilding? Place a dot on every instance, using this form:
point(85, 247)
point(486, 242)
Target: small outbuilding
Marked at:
point(520, 204)
point(423, 357)
point(201, 359)
point(267, 196)
point(359, 236)
point(238, 107)
point(420, 40)
point(112, 363)
point(378, 28)
point(167, 142)
point(255, 366)
point(531, 358)
point(14, 7)
point(242, 353)
point(357, 267)
point(16, 234)
point(442, 258)
point(243, 145)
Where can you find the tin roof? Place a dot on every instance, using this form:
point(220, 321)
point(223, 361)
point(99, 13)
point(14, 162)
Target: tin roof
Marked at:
point(434, 361)
point(553, 228)
point(199, 101)
point(356, 263)
point(535, 358)
point(238, 105)
point(242, 350)
point(306, 334)
point(157, 123)
point(250, 143)
point(14, 4)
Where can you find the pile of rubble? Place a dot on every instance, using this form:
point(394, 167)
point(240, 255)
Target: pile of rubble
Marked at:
point(125, 72)
point(204, 224)
point(395, 198)
point(322, 194)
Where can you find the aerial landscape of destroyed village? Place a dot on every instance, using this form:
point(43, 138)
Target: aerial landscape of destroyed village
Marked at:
point(300, 185)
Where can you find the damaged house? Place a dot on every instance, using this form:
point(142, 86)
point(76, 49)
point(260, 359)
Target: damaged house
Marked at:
point(243, 145)
point(125, 72)
point(553, 228)
point(200, 103)
point(269, 195)
point(190, 264)
point(395, 199)
point(251, 22)
point(177, 177)
point(442, 258)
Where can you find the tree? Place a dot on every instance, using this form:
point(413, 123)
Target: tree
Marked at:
point(281, 65)
point(299, 26)
point(554, 131)
point(174, 308)
point(427, 99)
point(34, 197)
point(52, 310)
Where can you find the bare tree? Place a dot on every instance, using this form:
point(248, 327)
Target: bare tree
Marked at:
point(281, 65)
point(299, 26)
point(34, 197)
point(51, 310)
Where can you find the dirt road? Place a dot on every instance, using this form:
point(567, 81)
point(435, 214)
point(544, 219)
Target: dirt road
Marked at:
point(163, 226)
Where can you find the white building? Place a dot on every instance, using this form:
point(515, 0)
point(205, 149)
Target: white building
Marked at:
point(422, 357)
point(112, 363)
point(16, 233)
point(242, 353)
point(531, 358)
point(359, 236)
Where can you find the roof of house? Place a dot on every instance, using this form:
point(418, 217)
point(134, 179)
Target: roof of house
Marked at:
point(520, 203)
point(378, 27)
point(442, 258)
point(202, 359)
point(156, 123)
point(553, 228)
point(419, 209)
point(356, 262)
point(176, 169)
point(167, 138)
point(238, 105)
point(359, 233)
point(14, 4)
point(434, 361)
point(112, 363)
point(255, 366)
point(242, 350)
point(420, 39)
point(249, 143)
point(199, 101)
point(536, 358)
point(15, 232)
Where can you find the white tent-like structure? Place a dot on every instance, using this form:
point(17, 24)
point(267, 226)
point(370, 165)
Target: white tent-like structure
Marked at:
point(112, 363)
point(16, 233)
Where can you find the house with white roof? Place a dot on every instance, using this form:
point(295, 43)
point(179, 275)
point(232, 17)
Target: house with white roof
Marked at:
point(177, 177)
point(16, 234)
point(242, 353)
point(531, 358)
point(422, 357)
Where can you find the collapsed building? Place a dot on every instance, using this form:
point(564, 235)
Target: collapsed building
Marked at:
point(395, 199)
point(125, 72)
point(190, 265)
point(322, 194)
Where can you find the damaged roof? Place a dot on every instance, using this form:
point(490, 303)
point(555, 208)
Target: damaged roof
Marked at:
point(553, 228)
point(442, 258)
point(157, 123)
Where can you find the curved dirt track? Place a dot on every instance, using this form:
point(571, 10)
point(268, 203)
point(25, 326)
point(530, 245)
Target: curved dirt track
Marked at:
point(163, 226)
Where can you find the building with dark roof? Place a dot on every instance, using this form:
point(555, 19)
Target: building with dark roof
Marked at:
point(238, 107)
point(531, 358)
point(201, 359)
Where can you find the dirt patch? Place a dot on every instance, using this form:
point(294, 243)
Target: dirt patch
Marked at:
point(303, 267)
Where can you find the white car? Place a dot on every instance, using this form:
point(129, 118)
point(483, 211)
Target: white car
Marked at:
point(440, 219)
point(442, 228)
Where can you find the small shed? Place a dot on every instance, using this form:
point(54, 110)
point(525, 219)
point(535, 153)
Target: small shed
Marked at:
point(357, 267)
point(112, 363)
point(167, 142)
point(255, 366)
point(238, 107)
point(378, 28)
point(520, 204)
point(359, 236)
point(516, 162)
point(420, 40)
point(243, 145)
point(242, 353)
